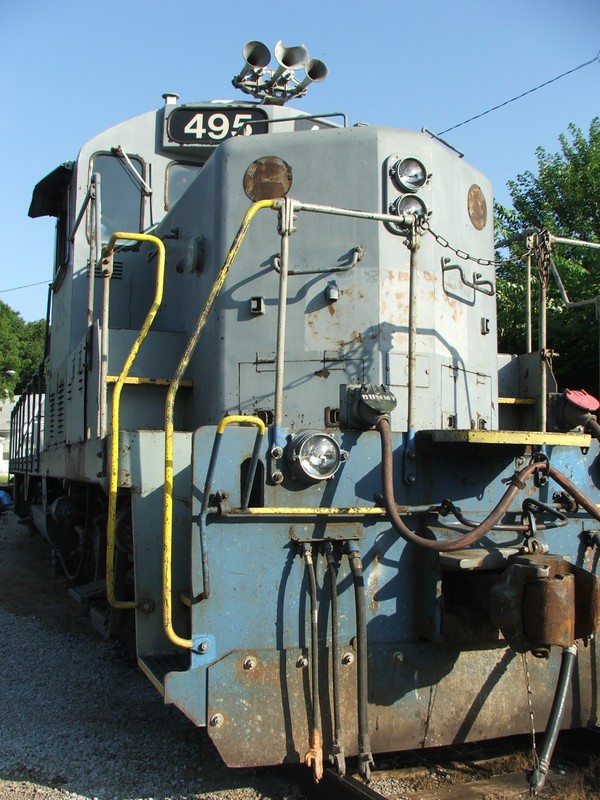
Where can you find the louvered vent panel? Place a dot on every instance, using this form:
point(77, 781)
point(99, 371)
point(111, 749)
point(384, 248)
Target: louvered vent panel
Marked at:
point(117, 273)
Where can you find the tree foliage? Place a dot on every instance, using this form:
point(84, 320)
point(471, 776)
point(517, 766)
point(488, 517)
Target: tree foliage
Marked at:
point(21, 351)
point(564, 198)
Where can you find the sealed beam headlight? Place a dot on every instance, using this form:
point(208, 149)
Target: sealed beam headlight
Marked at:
point(409, 174)
point(409, 204)
point(313, 456)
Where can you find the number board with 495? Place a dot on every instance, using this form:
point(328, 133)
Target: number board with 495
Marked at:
point(190, 125)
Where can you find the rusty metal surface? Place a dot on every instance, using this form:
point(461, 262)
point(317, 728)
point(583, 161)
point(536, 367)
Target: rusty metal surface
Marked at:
point(549, 610)
point(419, 696)
point(267, 178)
point(477, 207)
point(544, 600)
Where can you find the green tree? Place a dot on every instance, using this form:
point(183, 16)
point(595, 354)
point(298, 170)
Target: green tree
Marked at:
point(563, 197)
point(21, 351)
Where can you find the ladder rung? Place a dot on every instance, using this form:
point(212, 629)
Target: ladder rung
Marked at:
point(146, 381)
point(517, 401)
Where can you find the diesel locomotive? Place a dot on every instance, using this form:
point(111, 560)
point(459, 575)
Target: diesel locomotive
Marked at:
point(273, 441)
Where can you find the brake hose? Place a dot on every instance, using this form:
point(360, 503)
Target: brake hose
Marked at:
point(314, 757)
point(575, 493)
point(337, 749)
point(538, 778)
point(365, 757)
point(517, 482)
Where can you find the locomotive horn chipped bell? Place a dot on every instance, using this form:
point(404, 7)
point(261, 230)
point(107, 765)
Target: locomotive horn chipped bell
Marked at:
point(288, 58)
point(256, 55)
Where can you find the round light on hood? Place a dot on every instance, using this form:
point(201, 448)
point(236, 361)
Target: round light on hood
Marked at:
point(314, 456)
point(268, 178)
point(409, 204)
point(409, 174)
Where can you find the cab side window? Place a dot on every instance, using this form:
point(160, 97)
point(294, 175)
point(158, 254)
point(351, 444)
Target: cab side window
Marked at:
point(61, 248)
point(179, 178)
point(121, 194)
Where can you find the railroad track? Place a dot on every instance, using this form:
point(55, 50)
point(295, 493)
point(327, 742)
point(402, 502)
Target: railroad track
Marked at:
point(489, 771)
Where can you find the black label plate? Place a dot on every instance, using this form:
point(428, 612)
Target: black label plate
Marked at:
point(193, 125)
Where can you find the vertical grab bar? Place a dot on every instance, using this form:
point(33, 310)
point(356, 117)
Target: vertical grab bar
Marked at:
point(169, 418)
point(95, 241)
point(113, 478)
point(205, 510)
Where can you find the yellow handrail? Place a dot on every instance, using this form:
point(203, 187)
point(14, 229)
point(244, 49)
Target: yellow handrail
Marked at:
point(242, 420)
point(169, 418)
point(309, 511)
point(113, 477)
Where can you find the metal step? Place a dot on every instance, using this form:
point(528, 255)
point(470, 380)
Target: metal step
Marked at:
point(88, 591)
point(156, 665)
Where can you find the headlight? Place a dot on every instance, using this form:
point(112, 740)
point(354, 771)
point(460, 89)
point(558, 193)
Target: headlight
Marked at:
point(314, 456)
point(409, 204)
point(409, 174)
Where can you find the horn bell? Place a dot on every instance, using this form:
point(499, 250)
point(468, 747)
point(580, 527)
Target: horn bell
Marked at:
point(316, 71)
point(290, 57)
point(256, 56)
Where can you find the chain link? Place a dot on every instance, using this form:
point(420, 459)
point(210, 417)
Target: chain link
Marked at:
point(543, 254)
point(483, 262)
point(534, 755)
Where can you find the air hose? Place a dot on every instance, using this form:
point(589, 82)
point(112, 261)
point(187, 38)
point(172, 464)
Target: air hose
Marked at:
point(575, 493)
point(569, 654)
point(593, 427)
point(365, 757)
point(517, 482)
point(337, 749)
point(314, 757)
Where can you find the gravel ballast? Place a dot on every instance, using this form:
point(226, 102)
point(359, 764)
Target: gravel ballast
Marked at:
point(77, 719)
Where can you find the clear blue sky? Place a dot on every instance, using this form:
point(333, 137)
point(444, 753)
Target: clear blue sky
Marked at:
point(71, 68)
